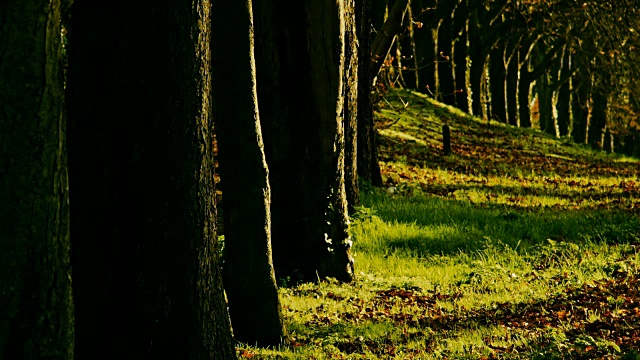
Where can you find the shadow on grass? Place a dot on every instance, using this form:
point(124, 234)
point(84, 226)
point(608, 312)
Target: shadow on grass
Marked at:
point(421, 225)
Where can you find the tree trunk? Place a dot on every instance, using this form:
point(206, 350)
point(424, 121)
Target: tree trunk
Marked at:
point(147, 281)
point(512, 92)
point(524, 90)
point(408, 46)
point(351, 105)
point(545, 105)
point(36, 308)
point(425, 45)
point(386, 36)
point(497, 78)
point(446, 81)
point(304, 138)
point(564, 95)
point(580, 112)
point(246, 196)
point(477, 64)
point(367, 154)
point(597, 120)
point(460, 68)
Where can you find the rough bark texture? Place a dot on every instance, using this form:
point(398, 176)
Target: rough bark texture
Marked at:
point(147, 281)
point(36, 311)
point(300, 83)
point(246, 196)
point(351, 88)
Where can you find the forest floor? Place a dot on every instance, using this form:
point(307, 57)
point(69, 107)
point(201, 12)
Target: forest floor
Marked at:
point(516, 246)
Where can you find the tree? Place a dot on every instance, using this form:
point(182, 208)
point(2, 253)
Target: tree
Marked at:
point(146, 274)
point(246, 196)
point(350, 108)
point(36, 316)
point(367, 155)
point(300, 87)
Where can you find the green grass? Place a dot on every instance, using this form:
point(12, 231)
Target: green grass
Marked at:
point(517, 246)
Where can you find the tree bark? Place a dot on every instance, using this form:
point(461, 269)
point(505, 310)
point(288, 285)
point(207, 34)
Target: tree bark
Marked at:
point(425, 45)
point(246, 196)
point(367, 154)
point(446, 82)
point(36, 308)
point(304, 138)
point(598, 119)
point(147, 281)
point(512, 91)
point(351, 88)
point(497, 78)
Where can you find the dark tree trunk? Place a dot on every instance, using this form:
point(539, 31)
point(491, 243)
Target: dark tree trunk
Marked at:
point(367, 154)
point(459, 59)
point(36, 311)
point(597, 120)
point(580, 112)
point(545, 105)
point(424, 45)
point(146, 274)
point(563, 104)
point(446, 81)
point(304, 138)
point(524, 89)
point(478, 58)
point(386, 36)
point(249, 277)
point(497, 78)
point(408, 46)
point(446, 139)
point(351, 86)
point(512, 92)
point(563, 97)
point(459, 55)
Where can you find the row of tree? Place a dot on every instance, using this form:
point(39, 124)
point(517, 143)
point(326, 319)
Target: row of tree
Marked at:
point(568, 66)
point(108, 236)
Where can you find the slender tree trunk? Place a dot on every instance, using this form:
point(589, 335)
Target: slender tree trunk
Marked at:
point(310, 239)
point(580, 112)
point(497, 78)
point(445, 70)
point(597, 120)
point(386, 36)
point(246, 196)
point(351, 105)
point(563, 96)
point(524, 90)
point(408, 46)
point(367, 157)
point(459, 54)
point(511, 85)
point(460, 68)
point(147, 281)
point(425, 45)
point(545, 105)
point(36, 311)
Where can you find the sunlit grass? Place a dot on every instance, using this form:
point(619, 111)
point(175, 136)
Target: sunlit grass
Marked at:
point(511, 221)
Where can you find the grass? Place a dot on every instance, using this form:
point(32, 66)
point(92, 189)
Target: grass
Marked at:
point(517, 246)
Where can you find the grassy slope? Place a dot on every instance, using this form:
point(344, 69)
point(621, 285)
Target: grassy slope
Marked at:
point(516, 246)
